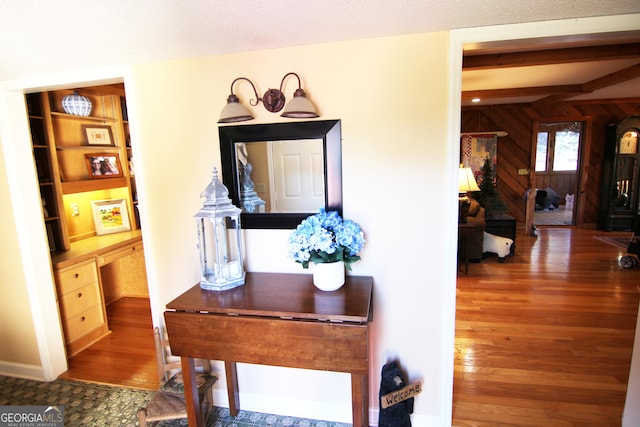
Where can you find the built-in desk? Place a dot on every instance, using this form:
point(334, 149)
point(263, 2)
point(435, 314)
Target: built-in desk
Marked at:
point(89, 276)
point(274, 319)
point(98, 246)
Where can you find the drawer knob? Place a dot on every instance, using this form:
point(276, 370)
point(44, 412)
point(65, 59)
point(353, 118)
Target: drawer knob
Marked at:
point(79, 294)
point(82, 319)
point(75, 276)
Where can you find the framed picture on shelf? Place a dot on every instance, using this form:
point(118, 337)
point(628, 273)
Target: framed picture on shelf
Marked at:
point(110, 216)
point(98, 135)
point(103, 165)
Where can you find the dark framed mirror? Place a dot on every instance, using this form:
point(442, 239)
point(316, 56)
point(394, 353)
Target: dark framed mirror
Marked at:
point(281, 173)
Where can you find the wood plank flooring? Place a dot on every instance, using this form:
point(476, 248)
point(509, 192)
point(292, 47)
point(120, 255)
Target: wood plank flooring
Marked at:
point(545, 339)
point(126, 357)
point(542, 340)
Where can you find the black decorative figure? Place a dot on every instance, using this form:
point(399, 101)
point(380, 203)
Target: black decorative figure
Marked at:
point(398, 415)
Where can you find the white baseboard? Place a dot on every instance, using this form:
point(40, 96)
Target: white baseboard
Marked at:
point(311, 410)
point(294, 408)
point(21, 370)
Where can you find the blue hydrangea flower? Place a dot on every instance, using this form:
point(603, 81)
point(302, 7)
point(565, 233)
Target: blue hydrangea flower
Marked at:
point(326, 237)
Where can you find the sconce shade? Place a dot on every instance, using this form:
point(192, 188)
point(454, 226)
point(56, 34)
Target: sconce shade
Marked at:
point(300, 107)
point(234, 111)
point(466, 181)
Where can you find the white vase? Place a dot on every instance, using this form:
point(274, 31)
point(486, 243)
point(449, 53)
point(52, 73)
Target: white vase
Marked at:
point(328, 276)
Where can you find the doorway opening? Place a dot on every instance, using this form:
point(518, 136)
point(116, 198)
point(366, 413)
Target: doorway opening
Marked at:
point(100, 277)
point(556, 168)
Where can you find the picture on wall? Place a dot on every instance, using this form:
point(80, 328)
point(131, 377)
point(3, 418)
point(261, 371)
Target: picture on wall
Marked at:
point(103, 165)
point(110, 216)
point(98, 135)
point(475, 149)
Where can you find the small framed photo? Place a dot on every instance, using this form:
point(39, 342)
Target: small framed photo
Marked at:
point(110, 216)
point(98, 135)
point(103, 165)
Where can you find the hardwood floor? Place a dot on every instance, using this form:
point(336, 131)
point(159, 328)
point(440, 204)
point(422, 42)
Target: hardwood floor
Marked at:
point(542, 340)
point(126, 356)
point(545, 339)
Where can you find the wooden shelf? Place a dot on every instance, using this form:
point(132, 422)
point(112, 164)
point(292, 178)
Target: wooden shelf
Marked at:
point(82, 118)
point(88, 147)
point(72, 187)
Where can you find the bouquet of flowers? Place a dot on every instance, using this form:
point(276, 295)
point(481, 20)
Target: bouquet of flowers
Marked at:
point(324, 238)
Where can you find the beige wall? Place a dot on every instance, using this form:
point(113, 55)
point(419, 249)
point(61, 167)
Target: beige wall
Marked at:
point(394, 128)
point(32, 343)
point(17, 333)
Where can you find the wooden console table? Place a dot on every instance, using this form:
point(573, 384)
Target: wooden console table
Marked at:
point(274, 319)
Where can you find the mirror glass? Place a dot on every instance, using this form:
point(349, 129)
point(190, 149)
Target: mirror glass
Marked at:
point(281, 173)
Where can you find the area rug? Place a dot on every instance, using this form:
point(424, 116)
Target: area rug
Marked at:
point(619, 241)
point(92, 405)
point(85, 404)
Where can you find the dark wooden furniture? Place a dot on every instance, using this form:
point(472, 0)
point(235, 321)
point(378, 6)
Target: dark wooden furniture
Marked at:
point(464, 232)
point(620, 177)
point(503, 225)
point(275, 319)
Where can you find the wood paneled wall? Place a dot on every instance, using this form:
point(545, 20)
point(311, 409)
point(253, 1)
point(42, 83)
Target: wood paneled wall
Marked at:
point(562, 183)
point(514, 150)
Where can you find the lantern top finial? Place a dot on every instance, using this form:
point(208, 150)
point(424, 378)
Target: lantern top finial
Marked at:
point(217, 198)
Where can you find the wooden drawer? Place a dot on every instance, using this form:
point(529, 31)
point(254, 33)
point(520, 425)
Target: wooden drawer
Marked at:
point(109, 257)
point(83, 323)
point(76, 276)
point(74, 303)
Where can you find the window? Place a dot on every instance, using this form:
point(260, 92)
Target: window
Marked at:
point(558, 146)
point(541, 151)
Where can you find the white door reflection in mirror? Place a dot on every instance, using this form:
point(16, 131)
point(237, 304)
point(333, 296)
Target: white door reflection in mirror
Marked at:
point(298, 178)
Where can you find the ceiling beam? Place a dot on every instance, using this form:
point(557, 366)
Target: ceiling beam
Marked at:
point(614, 78)
point(520, 92)
point(550, 56)
point(558, 92)
point(601, 82)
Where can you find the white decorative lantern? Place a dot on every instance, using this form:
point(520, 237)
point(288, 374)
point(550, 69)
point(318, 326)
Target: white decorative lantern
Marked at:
point(219, 239)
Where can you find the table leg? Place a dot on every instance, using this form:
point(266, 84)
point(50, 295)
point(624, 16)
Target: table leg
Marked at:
point(191, 397)
point(360, 399)
point(466, 254)
point(232, 387)
point(463, 237)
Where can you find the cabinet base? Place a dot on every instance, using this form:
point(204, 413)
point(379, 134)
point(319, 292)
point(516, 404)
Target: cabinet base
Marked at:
point(85, 341)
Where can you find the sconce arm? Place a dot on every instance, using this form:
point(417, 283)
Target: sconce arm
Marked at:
point(255, 91)
point(287, 75)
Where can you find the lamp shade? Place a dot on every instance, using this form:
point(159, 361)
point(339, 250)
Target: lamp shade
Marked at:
point(466, 181)
point(300, 107)
point(234, 111)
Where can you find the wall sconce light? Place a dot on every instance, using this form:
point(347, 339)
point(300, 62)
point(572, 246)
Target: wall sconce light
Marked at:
point(273, 100)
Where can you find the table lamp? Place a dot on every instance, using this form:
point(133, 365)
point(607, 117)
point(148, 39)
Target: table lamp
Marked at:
point(466, 183)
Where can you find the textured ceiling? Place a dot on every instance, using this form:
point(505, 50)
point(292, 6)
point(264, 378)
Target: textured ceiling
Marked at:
point(40, 37)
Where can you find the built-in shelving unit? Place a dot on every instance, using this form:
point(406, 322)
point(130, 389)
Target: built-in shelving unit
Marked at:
point(74, 156)
point(46, 166)
point(63, 152)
